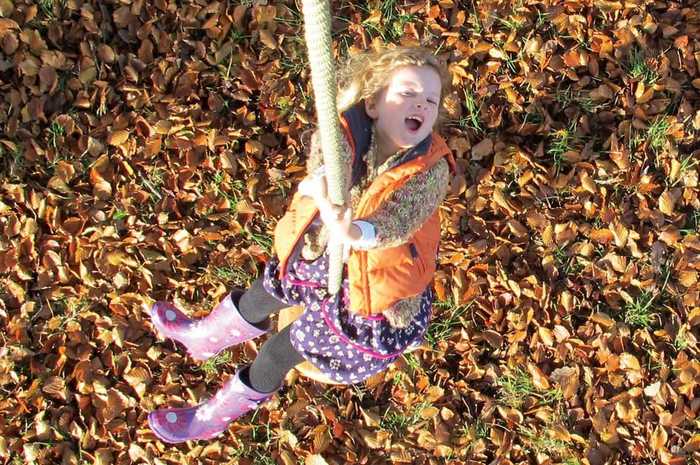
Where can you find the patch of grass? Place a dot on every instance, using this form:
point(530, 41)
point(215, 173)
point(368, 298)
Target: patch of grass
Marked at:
point(686, 164)
point(541, 442)
point(398, 421)
point(476, 26)
point(234, 275)
point(518, 386)
point(13, 160)
point(450, 319)
point(153, 181)
point(562, 141)
point(412, 362)
point(391, 25)
point(119, 215)
point(567, 265)
point(569, 96)
point(692, 223)
point(640, 312)
point(286, 107)
point(233, 191)
point(511, 23)
point(46, 7)
point(211, 366)
point(542, 20)
point(238, 36)
point(638, 67)
point(657, 133)
point(682, 341)
point(56, 131)
point(262, 240)
point(473, 108)
point(477, 430)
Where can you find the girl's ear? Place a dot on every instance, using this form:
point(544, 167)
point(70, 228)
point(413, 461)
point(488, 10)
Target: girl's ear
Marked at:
point(371, 107)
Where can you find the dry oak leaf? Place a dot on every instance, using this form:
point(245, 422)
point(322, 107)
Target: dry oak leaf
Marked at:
point(667, 203)
point(693, 444)
point(539, 379)
point(567, 379)
point(482, 149)
point(118, 137)
point(315, 459)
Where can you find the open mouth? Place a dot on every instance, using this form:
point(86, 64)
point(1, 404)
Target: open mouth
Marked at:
point(413, 123)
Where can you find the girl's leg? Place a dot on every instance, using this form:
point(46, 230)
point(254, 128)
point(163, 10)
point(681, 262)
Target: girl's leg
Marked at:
point(276, 357)
point(256, 305)
point(237, 318)
point(242, 393)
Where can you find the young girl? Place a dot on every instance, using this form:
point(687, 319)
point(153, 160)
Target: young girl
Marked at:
point(399, 171)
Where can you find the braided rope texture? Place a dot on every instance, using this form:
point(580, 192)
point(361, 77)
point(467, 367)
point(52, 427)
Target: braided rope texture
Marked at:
point(317, 22)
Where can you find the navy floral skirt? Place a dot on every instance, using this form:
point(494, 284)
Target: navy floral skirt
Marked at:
point(345, 347)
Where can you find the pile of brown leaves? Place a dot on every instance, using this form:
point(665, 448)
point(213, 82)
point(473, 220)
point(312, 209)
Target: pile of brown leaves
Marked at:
point(148, 148)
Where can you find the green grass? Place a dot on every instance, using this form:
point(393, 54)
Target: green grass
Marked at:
point(119, 215)
point(569, 96)
point(211, 366)
point(46, 7)
point(13, 160)
point(235, 275)
point(262, 240)
point(692, 223)
point(450, 318)
point(640, 312)
point(540, 442)
point(477, 430)
point(471, 120)
point(681, 341)
point(657, 133)
point(639, 69)
point(511, 24)
point(686, 164)
point(233, 190)
point(391, 25)
point(412, 362)
point(567, 265)
point(56, 131)
point(153, 181)
point(398, 421)
point(517, 386)
point(562, 141)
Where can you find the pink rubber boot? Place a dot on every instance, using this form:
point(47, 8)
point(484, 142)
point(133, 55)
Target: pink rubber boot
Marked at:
point(205, 337)
point(210, 418)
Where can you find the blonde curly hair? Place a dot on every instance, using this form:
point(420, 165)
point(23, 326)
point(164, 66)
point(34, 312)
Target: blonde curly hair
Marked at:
point(364, 74)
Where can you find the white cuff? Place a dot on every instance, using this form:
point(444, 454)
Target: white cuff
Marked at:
point(369, 234)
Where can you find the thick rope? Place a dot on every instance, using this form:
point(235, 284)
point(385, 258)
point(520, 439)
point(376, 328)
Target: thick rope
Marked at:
point(317, 21)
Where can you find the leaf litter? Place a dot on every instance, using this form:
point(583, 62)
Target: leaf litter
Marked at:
point(148, 149)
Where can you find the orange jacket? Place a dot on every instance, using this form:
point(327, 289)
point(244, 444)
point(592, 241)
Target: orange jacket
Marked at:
point(378, 278)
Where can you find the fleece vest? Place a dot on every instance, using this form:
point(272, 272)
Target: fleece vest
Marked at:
point(378, 278)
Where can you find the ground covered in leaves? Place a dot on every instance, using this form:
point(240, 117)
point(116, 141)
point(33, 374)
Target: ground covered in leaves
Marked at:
point(148, 148)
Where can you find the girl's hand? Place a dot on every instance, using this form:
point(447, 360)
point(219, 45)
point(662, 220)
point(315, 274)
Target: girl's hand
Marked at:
point(314, 184)
point(338, 219)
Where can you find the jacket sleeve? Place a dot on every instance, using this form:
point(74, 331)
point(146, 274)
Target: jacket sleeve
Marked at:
point(399, 217)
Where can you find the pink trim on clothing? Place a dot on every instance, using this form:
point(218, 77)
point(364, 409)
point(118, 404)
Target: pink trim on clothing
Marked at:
point(300, 282)
point(315, 285)
point(347, 340)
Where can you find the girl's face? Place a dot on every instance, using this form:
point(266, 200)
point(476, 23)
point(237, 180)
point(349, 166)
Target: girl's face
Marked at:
point(405, 111)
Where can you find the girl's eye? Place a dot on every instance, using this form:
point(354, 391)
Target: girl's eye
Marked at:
point(432, 102)
point(407, 93)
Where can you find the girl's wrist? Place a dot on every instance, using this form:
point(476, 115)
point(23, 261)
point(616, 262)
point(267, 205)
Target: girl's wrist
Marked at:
point(354, 232)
